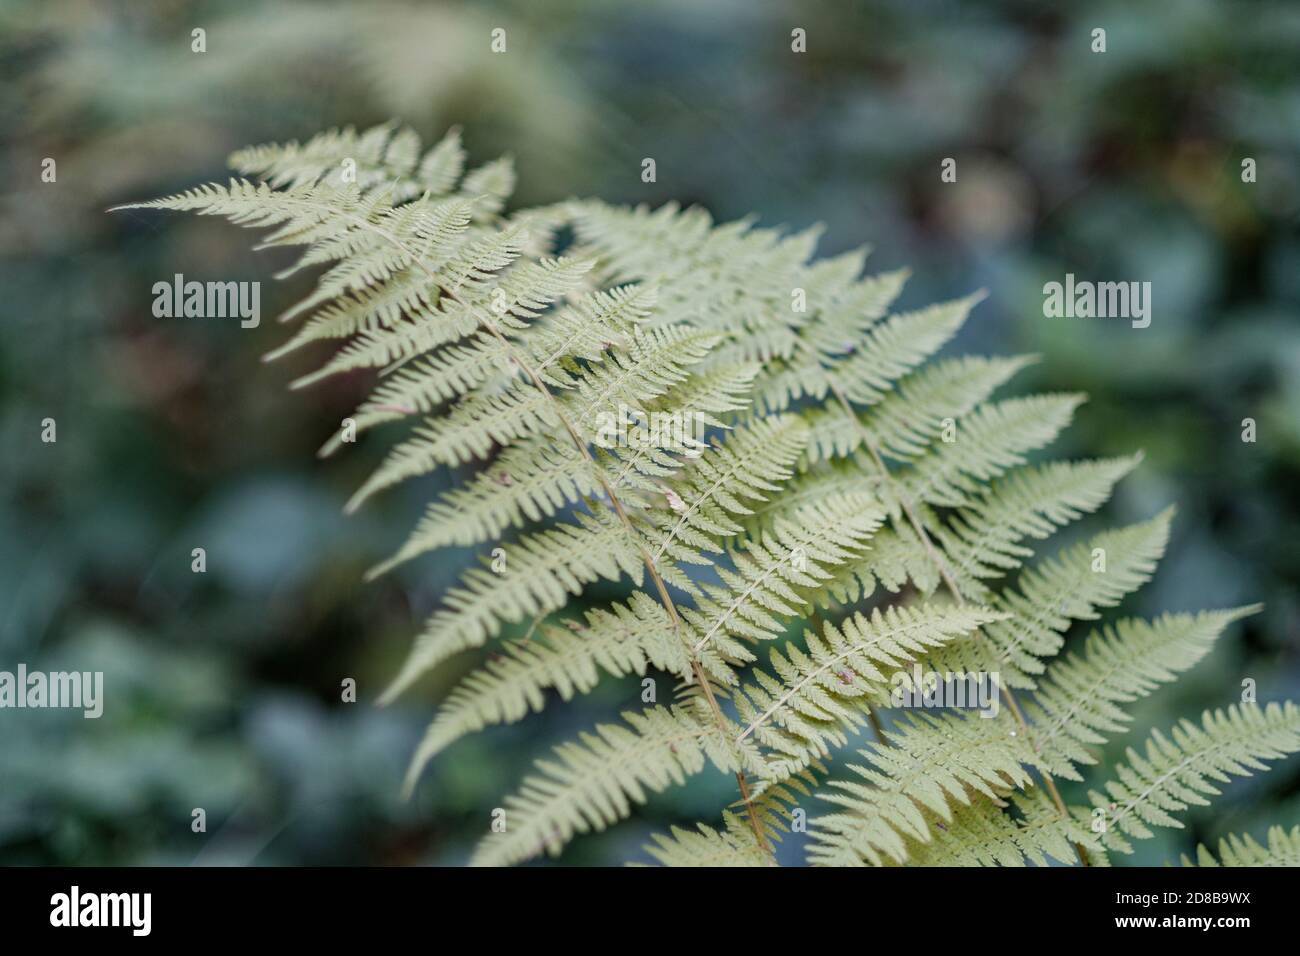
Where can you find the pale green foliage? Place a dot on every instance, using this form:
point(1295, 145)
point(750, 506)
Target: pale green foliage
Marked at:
point(594, 781)
point(1081, 699)
point(816, 697)
point(1181, 768)
point(983, 833)
point(704, 846)
point(1283, 850)
point(756, 448)
point(928, 763)
point(626, 638)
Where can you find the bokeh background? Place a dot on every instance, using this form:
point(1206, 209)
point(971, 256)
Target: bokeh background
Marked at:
point(171, 434)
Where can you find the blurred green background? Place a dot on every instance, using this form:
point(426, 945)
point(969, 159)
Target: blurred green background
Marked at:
point(224, 687)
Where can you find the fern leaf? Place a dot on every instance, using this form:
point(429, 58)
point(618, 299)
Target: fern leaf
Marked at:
point(381, 156)
point(538, 574)
point(536, 477)
point(457, 369)
point(442, 165)
point(906, 421)
point(626, 639)
point(772, 568)
point(491, 184)
point(842, 312)
point(808, 370)
point(1078, 702)
point(934, 762)
point(594, 782)
point(987, 442)
point(657, 360)
point(897, 557)
point(834, 460)
point(257, 205)
point(1174, 772)
point(704, 846)
point(529, 481)
point(728, 479)
point(982, 539)
point(817, 698)
point(405, 297)
point(469, 431)
point(986, 834)
point(1283, 850)
point(896, 346)
point(1050, 594)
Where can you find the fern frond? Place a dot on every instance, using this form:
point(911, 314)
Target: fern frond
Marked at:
point(1050, 594)
point(593, 323)
point(626, 639)
point(1283, 850)
point(1078, 702)
point(987, 442)
point(1174, 772)
point(833, 459)
point(818, 697)
point(986, 834)
point(805, 368)
point(391, 323)
point(842, 310)
point(775, 802)
point(469, 431)
point(377, 243)
point(809, 487)
point(933, 763)
point(772, 568)
point(257, 205)
point(704, 846)
point(982, 539)
point(457, 369)
point(404, 298)
point(906, 421)
point(383, 156)
point(536, 477)
point(727, 480)
point(657, 359)
point(594, 782)
point(491, 184)
point(898, 557)
point(529, 481)
point(652, 454)
point(539, 572)
point(896, 346)
point(441, 166)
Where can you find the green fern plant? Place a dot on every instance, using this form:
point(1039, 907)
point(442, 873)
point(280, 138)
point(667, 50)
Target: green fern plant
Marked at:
point(846, 509)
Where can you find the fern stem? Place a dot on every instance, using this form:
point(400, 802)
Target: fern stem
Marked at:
point(532, 628)
point(950, 583)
